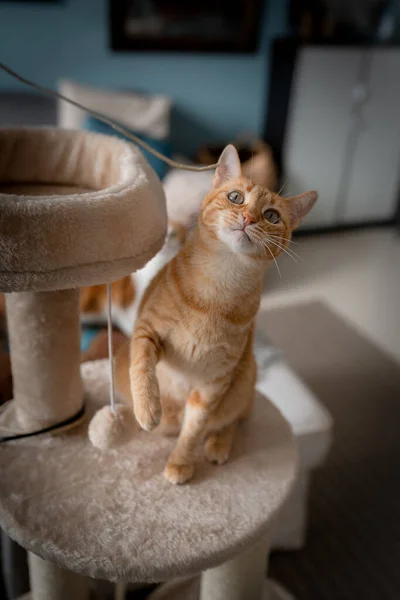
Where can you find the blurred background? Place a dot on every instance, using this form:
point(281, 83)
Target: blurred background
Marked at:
point(315, 79)
point(309, 91)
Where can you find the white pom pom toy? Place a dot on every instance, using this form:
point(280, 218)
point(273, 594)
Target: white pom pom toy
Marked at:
point(109, 429)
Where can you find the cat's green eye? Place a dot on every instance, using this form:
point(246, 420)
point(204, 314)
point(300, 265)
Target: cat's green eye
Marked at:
point(236, 197)
point(272, 215)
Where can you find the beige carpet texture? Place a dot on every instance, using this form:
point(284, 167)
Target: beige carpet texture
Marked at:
point(353, 543)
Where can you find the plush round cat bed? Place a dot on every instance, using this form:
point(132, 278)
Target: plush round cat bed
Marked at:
point(76, 209)
point(112, 514)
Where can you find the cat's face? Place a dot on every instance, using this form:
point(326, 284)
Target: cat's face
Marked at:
point(247, 218)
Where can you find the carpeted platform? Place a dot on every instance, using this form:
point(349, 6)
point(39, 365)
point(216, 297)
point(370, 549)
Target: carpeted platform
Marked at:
point(353, 547)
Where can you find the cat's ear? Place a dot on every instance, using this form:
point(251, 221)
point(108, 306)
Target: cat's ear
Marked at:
point(228, 166)
point(300, 206)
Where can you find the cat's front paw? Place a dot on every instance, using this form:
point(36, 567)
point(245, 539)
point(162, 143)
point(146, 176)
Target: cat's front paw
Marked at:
point(146, 403)
point(148, 414)
point(178, 474)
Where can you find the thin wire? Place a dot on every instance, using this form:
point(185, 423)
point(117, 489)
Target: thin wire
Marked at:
point(110, 350)
point(106, 120)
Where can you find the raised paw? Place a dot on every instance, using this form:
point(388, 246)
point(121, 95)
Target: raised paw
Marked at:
point(216, 449)
point(178, 474)
point(148, 414)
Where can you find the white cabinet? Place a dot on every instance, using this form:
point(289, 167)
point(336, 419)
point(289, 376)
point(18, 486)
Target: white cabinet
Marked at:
point(343, 133)
point(373, 181)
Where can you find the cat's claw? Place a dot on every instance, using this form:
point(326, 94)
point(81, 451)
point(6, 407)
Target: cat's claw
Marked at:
point(178, 474)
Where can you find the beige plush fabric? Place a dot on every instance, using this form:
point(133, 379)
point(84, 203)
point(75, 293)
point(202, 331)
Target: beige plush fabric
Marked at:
point(112, 515)
point(69, 238)
point(190, 588)
point(109, 429)
point(44, 336)
point(49, 582)
point(240, 578)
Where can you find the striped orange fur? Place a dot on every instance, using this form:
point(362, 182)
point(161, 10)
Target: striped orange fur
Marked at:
point(190, 365)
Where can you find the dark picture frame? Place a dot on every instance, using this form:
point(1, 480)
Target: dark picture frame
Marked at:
point(349, 24)
point(231, 26)
point(32, 1)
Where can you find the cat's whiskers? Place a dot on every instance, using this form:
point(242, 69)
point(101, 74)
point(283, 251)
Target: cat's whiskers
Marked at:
point(282, 188)
point(286, 250)
point(284, 239)
point(274, 259)
point(261, 242)
point(291, 252)
point(265, 244)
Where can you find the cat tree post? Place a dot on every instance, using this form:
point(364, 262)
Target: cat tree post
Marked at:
point(49, 581)
point(71, 205)
point(44, 337)
point(78, 209)
point(241, 577)
point(75, 209)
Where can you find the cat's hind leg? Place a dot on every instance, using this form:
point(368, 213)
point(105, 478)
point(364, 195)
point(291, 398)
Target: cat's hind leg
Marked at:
point(181, 463)
point(218, 445)
point(235, 407)
point(210, 412)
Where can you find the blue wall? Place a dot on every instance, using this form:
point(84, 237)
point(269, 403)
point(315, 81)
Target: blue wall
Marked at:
point(216, 96)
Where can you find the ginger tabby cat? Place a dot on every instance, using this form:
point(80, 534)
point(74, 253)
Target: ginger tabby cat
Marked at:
point(190, 366)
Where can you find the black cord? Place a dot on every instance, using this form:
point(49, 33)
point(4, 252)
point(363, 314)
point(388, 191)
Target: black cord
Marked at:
point(65, 423)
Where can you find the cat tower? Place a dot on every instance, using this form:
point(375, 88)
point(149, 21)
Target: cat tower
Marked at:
point(78, 209)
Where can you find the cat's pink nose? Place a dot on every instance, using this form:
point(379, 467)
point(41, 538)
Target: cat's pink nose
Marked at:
point(248, 219)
